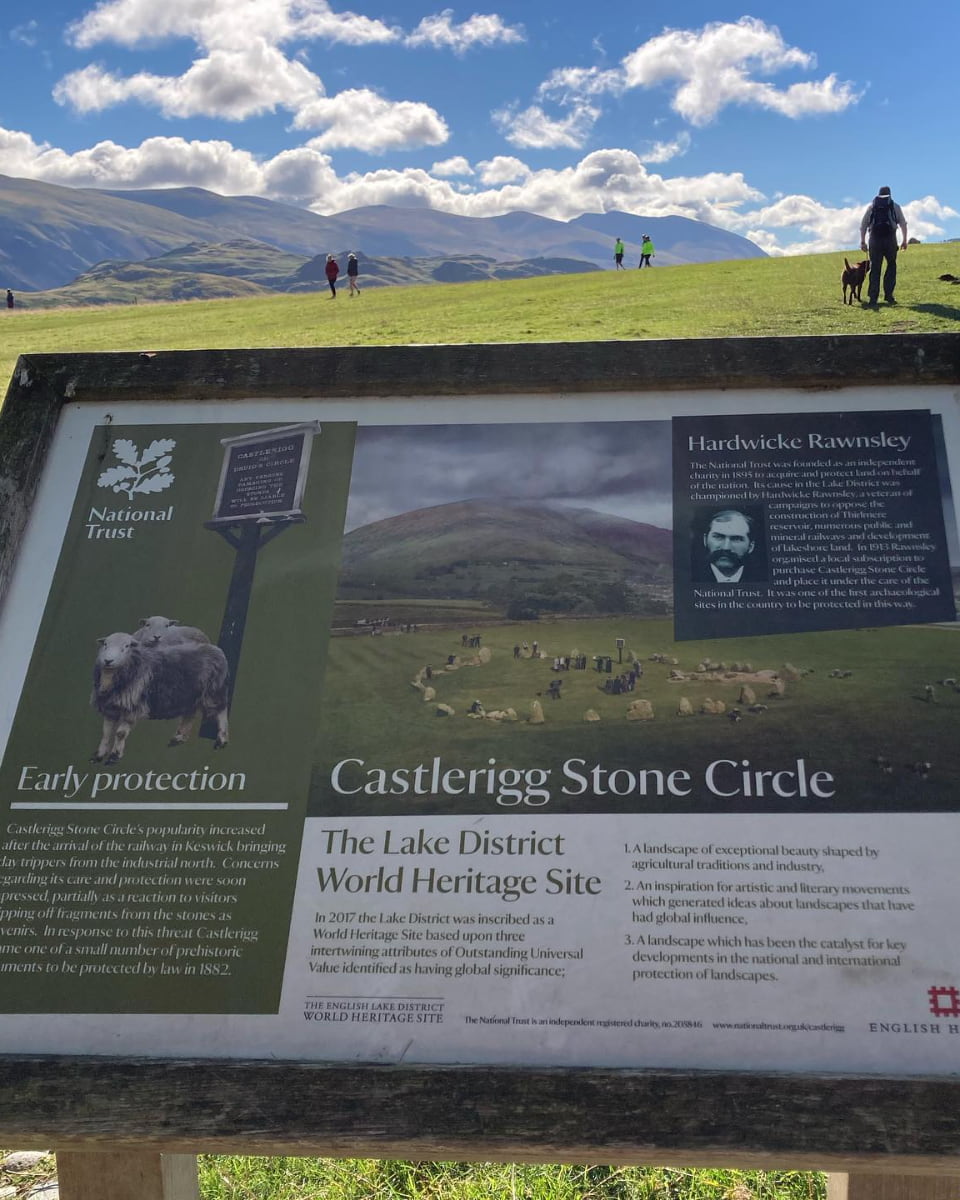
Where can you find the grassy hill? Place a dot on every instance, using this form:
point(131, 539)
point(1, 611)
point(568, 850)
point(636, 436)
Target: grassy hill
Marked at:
point(756, 297)
point(501, 549)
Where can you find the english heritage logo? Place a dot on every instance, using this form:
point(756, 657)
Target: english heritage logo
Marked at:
point(135, 474)
point(140, 473)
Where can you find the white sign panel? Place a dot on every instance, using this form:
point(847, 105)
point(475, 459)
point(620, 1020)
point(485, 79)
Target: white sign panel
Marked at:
point(628, 741)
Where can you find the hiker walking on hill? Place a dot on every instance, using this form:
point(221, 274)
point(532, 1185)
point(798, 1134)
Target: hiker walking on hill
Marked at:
point(9, 298)
point(618, 250)
point(332, 270)
point(353, 270)
point(881, 221)
point(646, 252)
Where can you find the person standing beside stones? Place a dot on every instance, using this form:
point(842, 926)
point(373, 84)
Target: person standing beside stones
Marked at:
point(9, 298)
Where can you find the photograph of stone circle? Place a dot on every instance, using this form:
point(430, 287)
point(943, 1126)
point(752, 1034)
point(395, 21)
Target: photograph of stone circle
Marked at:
point(506, 594)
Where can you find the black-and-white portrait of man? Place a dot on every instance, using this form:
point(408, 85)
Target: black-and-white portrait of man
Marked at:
point(728, 547)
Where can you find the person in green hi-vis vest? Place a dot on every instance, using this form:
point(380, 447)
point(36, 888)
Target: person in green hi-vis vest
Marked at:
point(618, 249)
point(646, 252)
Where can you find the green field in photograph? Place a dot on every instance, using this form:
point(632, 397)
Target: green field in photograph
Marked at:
point(373, 711)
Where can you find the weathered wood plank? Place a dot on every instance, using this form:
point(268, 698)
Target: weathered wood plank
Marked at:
point(127, 1175)
point(28, 420)
point(891, 1187)
point(815, 362)
point(525, 1114)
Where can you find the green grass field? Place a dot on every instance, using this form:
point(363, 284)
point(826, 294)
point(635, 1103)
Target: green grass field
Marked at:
point(371, 711)
point(751, 297)
point(233, 1177)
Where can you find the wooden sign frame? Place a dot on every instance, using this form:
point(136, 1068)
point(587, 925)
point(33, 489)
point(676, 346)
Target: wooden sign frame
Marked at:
point(747, 1119)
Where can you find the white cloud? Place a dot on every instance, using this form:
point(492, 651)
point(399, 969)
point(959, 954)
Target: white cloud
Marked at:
point(532, 129)
point(25, 34)
point(661, 152)
point(603, 181)
point(458, 165)
point(362, 120)
point(708, 69)
point(817, 228)
point(156, 162)
point(567, 84)
point(243, 73)
point(232, 84)
point(224, 23)
point(482, 29)
point(502, 169)
point(713, 67)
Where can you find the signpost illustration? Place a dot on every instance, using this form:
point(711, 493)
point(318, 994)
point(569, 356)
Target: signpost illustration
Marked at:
point(258, 497)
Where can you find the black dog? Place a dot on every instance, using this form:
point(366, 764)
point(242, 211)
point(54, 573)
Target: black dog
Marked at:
point(852, 278)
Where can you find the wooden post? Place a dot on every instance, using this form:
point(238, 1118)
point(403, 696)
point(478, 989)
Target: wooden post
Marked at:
point(892, 1187)
point(238, 599)
point(127, 1175)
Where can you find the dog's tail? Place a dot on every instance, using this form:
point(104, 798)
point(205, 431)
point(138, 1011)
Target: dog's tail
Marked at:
point(847, 265)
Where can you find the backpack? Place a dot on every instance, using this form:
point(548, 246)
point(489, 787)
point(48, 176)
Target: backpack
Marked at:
point(882, 218)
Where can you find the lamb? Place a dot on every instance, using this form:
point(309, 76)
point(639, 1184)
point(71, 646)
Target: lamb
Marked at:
point(154, 631)
point(133, 682)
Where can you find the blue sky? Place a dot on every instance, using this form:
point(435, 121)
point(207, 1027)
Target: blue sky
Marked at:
point(776, 121)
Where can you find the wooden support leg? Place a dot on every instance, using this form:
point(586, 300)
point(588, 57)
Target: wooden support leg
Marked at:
point(127, 1175)
point(893, 1187)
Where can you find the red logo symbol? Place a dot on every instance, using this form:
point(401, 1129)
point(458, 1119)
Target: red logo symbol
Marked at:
point(944, 1001)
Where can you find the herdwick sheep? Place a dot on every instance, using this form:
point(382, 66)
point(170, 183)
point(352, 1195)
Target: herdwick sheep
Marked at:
point(163, 631)
point(133, 682)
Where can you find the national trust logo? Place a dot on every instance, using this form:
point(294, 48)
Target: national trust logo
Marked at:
point(139, 474)
point(134, 475)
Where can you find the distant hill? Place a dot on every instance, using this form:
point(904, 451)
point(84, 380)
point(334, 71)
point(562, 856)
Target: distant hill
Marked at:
point(498, 550)
point(461, 268)
point(141, 283)
point(51, 234)
point(206, 271)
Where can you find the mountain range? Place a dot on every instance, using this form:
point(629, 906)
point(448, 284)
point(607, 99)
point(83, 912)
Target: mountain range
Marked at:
point(50, 235)
point(496, 549)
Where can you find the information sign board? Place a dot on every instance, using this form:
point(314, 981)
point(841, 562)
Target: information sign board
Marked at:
point(619, 742)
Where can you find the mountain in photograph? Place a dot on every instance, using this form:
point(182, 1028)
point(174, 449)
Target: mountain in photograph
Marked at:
point(51, 234)
point(507, 552)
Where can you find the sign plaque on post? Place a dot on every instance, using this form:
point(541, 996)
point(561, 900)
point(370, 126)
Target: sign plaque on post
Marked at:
point(259, 496)
point(263, 475)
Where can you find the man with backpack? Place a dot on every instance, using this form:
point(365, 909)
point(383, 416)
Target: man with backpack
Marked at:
point(882, 220)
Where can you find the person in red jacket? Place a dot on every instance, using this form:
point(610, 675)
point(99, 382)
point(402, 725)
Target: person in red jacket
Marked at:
point(332, 271)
